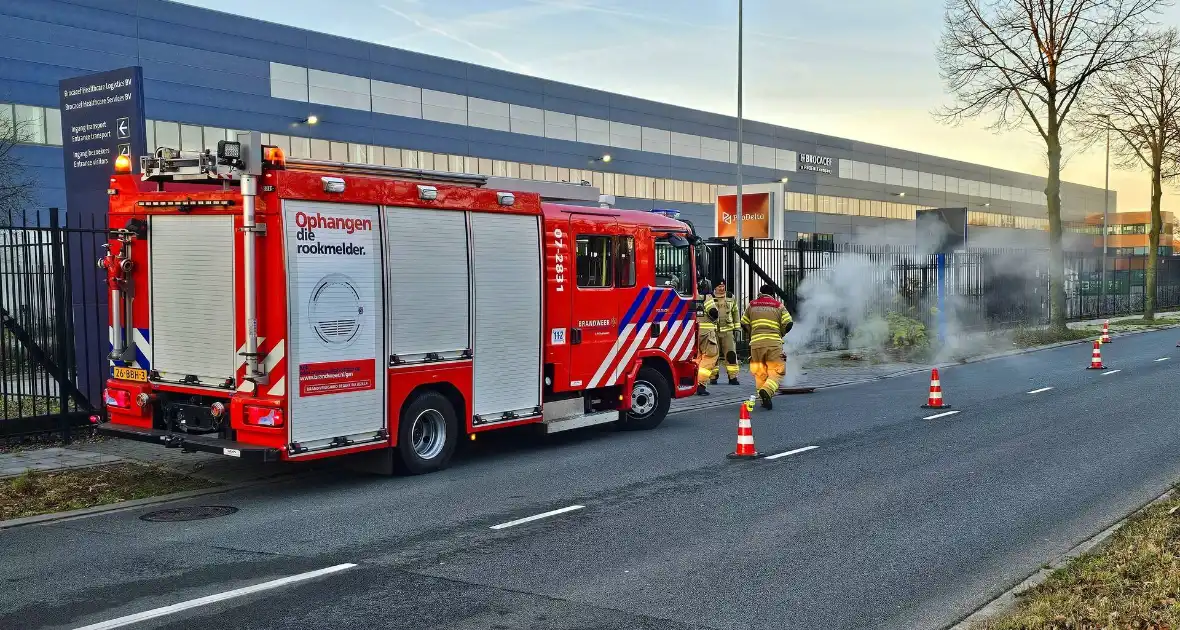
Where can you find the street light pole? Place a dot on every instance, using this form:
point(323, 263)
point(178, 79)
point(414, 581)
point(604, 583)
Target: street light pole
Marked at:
point(740, 214)
point(1105, 218)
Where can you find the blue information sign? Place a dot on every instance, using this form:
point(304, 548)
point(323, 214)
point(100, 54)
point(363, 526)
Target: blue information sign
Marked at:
point(101, 118)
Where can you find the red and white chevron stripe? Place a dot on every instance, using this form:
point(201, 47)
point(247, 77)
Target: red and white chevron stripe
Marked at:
point(274, 363)
point(678, 340)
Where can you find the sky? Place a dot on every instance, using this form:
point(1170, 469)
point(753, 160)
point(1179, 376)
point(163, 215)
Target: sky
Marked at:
point(860, 69)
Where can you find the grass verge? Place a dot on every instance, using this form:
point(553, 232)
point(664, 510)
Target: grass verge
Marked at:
point(35, 493)
point(1132, 581)
point(1032, 337)
point(1159, 322)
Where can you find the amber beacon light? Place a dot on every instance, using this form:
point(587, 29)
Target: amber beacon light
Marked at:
point(123, 164)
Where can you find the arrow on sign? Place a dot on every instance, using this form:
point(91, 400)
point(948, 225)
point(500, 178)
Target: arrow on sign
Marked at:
point(123, 128)
point(125, 149)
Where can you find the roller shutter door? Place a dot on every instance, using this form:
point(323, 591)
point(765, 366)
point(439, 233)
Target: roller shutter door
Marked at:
point(429, 288)
point(192, 298)
point(506, 263)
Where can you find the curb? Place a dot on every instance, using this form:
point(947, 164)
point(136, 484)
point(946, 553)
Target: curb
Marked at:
point(82, 513)
point(1007, 600)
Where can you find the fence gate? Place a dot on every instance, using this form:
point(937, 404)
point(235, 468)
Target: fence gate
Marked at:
point(49, 384)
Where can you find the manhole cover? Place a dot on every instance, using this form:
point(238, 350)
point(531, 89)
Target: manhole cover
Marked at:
point(196, 513)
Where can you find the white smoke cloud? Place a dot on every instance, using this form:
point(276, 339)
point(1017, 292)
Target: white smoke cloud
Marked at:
point(846, 304)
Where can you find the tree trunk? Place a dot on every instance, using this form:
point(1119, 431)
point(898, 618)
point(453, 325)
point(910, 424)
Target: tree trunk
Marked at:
point(1057, 314)
point(1153, 242)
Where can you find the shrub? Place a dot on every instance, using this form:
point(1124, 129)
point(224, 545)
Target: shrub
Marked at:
point(906, 333)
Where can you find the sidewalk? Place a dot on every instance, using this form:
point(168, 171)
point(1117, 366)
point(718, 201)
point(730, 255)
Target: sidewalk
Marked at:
point(216, 468)
point(56, 458)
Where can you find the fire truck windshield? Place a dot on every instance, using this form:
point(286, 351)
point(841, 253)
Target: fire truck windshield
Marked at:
point(674, 264)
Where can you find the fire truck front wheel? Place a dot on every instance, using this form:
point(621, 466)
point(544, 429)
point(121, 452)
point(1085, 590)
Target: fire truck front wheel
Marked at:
point(651, 396)
point(427, 433)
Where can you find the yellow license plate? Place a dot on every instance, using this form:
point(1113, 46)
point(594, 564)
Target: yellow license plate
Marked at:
point(131, 374)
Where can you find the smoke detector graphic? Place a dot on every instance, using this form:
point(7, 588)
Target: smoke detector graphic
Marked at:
point(334, 310)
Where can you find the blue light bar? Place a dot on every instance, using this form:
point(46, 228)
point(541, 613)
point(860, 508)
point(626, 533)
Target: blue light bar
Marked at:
point(668, 212)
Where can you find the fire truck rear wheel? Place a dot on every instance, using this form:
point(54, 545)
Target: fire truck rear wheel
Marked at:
point(427, 433)
point(651, 396)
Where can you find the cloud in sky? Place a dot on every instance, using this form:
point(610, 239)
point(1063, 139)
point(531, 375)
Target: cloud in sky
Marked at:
point(861, 69)
point(426, 25)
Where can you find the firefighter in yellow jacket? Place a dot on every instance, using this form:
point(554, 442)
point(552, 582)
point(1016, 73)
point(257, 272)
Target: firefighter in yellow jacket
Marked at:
point(766, 322)
point(727, 324)
point(707, 346)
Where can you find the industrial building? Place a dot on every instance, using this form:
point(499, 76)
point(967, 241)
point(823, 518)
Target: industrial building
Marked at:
point(207, 73)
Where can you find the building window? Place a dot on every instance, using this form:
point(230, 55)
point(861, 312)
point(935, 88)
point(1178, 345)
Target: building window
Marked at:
point(300, 148)
point(168, 134)
point(816, 242)
point(30, 124)
point(594, 261)
point(358, 153)
point(673, 267)
point(53, 126)
point(624, 261)
point(191, 138)
point(211, 135)
point(320, 150)
point(376, 155)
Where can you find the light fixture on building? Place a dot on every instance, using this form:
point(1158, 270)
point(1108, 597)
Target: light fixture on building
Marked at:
point(900, 194)
point(785, 180)
point(605, 159)
point(311, 120)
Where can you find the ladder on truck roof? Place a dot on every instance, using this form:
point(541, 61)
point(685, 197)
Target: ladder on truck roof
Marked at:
point(232, 159)
point(196, 166)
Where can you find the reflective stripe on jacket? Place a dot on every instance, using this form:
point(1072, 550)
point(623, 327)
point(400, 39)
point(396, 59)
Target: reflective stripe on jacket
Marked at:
point(766, 320)
point(706, 322)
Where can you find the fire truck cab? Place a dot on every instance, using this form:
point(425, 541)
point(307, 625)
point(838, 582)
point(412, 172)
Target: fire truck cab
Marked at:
point(293, 309)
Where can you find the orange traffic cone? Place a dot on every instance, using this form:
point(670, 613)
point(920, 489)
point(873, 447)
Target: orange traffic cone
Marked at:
point(1096, 357)
point(745, 436)
point(935, 400)
point(1105, 332)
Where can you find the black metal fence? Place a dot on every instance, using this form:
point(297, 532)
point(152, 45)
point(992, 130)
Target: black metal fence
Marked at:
point(980, 288)
point(1090, 295)
point(48, 293)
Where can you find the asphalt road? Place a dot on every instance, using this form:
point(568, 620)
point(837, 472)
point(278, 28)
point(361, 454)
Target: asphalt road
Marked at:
point(892, 521)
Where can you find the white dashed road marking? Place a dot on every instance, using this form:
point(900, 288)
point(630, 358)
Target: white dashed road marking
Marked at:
point(1043, 389)
point(1111, 372)
point(537, 517)
point(1162, 359)
point(798, 450)
point(219, 597)
point(940, 415)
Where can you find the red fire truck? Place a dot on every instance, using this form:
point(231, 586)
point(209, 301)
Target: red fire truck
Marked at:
point(281, 309)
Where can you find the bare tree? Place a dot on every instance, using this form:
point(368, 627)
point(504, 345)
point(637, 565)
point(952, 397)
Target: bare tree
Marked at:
point(1030, 63)
point(16, 185)
point(1141, 107)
